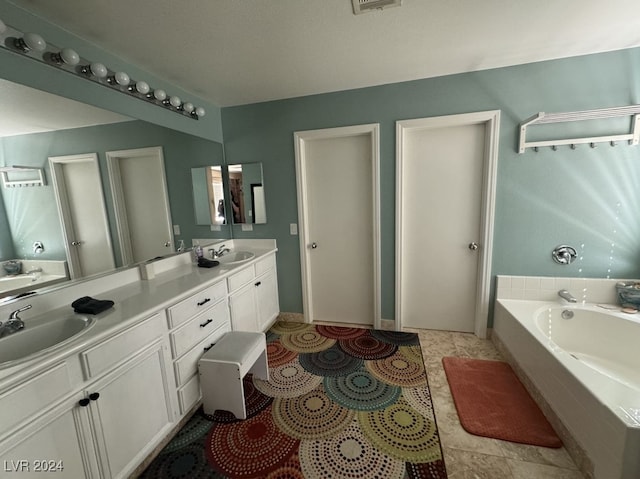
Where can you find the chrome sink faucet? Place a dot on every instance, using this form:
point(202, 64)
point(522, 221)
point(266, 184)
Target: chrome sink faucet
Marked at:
point(14, 323)
point(567, 296)
point(216, 253)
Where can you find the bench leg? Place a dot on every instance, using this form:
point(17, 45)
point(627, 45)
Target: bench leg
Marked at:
point(260, 368)
point(227, 394)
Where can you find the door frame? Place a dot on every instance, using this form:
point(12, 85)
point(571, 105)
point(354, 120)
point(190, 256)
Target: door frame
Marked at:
point(300, 140)
point(62, 200)
point(119, 206)
point(491, 120)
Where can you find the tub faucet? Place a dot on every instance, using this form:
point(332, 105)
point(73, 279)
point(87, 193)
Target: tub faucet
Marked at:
point(567, 296)
point(14, 323)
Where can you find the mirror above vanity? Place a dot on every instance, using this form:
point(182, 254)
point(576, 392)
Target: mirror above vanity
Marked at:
point(208, 195)
point(242, 199)
point(246, 193)
point(30, 216)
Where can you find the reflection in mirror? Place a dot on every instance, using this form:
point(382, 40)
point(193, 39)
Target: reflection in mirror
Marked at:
point(43, 126)
point(208, 195)
point(246, 193)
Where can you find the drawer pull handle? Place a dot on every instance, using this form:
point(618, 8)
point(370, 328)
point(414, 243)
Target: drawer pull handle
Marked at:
point(94, 396)
point(206, 322)
point(84, 402)
point(207, 348)
point(204, 301)
point(258, 283)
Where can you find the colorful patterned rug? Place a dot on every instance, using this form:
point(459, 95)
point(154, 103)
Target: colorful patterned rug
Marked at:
point(340, 403)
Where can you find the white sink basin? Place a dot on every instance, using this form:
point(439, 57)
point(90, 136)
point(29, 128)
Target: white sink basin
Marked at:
point(234, 257)
point(40, 336)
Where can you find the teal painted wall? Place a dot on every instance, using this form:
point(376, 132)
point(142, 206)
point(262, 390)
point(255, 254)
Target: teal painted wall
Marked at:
point(584, 197)
point(20, 69)
point(32, 213)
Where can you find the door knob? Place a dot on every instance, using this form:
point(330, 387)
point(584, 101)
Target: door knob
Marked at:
point(314, 245)
point(76, 243)
point(473, 246)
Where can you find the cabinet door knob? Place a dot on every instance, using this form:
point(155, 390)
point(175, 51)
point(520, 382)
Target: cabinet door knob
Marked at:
point(94, 396)
point(204, 301)
point(207, 348)
point(84, 402)
point(206, 322)
point(258, 283)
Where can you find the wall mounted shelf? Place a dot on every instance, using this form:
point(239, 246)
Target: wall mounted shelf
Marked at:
point(541, 118)
point(37, 179)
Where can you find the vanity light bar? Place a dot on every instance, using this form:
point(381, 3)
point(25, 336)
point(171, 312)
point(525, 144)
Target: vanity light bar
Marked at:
point(33, 46)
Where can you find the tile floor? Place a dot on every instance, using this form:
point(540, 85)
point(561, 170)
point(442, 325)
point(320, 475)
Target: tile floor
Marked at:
point(472, 457)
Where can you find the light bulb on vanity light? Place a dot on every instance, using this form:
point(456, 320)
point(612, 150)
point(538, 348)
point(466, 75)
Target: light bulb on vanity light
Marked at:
point(67, 56)
point(120, 78)
point(29, 42)
point(95, 69)
point(200, 111)
point(159, 94)
point(188, 107)
point(175, 101)
point(141, 87)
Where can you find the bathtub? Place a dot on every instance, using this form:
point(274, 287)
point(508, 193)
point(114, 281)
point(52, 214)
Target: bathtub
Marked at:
point(585, 362)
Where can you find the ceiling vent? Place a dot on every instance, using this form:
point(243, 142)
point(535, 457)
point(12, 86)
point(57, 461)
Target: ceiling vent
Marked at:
point(364, 6)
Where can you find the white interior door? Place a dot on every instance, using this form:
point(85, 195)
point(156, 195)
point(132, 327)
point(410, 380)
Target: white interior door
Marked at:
point(141, 203)
point(78, 189)
point(445, 175)
point(338, 211)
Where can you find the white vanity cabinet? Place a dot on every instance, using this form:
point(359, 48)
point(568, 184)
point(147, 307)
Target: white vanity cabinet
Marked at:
point(57, 444)
point(196, 324)
point(253, 297)
point(104, 429)
point(44, 432)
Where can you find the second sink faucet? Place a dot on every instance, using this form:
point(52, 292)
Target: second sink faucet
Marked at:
point(216, 253)
point(567, 296)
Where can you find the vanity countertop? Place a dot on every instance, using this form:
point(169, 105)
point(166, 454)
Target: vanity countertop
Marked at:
point(135, 301)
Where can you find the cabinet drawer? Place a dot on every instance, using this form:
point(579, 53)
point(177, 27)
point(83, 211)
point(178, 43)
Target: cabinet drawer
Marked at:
point(187, 365)
point(33, 396)
point(189, 394)
point(265, 264)
point(201, 301)
point(194, 331)
point(241, 278)
point(114, 350)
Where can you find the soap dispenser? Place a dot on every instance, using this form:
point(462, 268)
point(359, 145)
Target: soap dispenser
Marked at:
point(198, 252)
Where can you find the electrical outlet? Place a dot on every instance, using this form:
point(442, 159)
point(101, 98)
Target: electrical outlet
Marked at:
point(247, 227)
point(293, 229)
point(176, 230)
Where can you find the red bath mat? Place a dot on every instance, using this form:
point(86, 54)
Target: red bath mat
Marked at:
point(492, 402)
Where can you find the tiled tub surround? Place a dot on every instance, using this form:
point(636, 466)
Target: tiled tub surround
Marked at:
point(599, 414)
